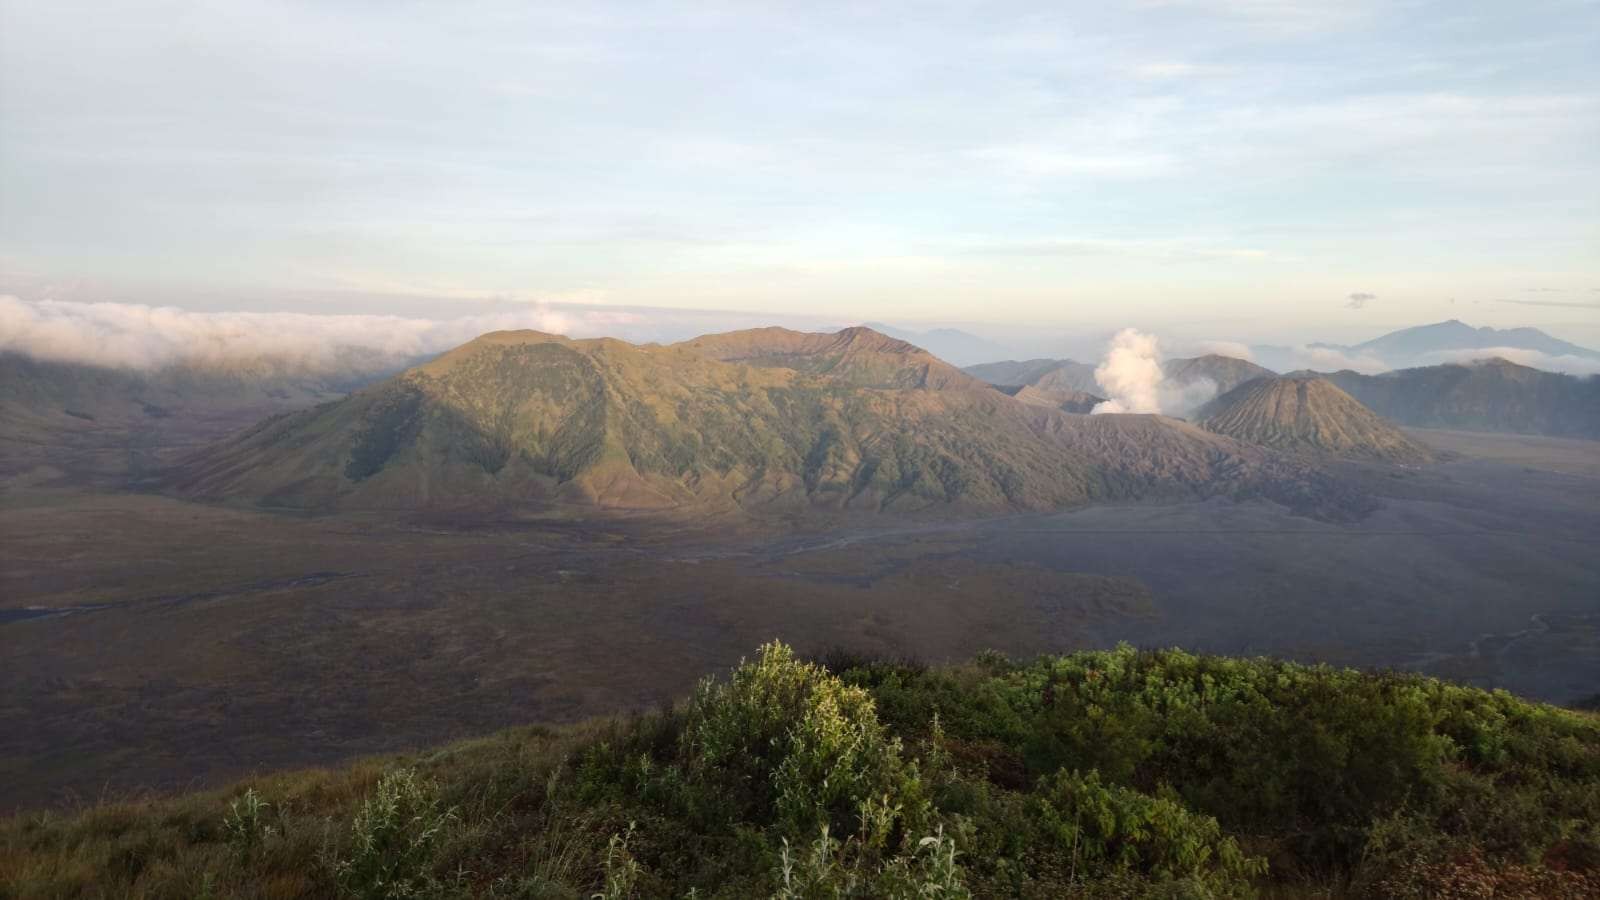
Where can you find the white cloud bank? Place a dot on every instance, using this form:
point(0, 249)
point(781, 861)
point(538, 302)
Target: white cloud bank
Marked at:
point(135, 336)
point(1570, 365)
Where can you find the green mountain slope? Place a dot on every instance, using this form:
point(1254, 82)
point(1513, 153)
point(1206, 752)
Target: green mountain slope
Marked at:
point(1308, 415)
point(1101, 774)
point(518, 418)
point(1493, 395)
point(857, 356)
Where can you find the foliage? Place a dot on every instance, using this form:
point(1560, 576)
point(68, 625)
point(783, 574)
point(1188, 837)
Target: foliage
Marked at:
point(1117, 773)
point(393, 838)
point(246, 821)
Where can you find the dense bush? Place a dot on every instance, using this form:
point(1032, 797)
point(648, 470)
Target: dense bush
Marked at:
point(1108, 774)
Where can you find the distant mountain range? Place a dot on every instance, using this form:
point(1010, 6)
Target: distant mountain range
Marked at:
point(763, 420)
point(1427, 343)
point(1442, 342)
point(1490, 395)
point(950, 344)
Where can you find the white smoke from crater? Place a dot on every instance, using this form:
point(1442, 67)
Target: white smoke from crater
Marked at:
point(1130, 374)
point(1134, 381)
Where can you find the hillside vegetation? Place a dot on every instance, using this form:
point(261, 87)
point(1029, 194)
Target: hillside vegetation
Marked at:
point(852, 421)
point(1100, 774)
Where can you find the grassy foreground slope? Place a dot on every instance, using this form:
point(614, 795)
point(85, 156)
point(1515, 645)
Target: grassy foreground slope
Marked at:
point(1102, 774)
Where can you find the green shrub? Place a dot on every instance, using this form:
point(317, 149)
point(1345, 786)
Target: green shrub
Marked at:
point(794, 742)
point(1106, 828)
point(246, 822)
point(393, 838)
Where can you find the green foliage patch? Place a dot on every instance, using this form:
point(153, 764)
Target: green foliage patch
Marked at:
point(1120, 773)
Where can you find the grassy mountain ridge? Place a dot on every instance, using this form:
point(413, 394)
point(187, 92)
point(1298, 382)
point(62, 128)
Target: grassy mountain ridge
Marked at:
point(1116, 773)
point(1308, 415)
point(526, 418)
point(858, 356)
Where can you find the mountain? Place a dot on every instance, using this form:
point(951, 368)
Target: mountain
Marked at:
point(1051, 374)
point(1225, 372)
point(1307, 414)
point(61, 418)
point(514, 419)
point(1079, 402)
point(1488, 395)
point(857, 356)
point(1111, 773)
point(1428, 343)
point(952, 344)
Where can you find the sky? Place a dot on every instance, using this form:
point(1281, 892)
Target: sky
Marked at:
point(1249, 170)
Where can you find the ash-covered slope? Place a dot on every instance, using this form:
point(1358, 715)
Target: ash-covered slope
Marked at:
point(1308, 414)
point(519, 418)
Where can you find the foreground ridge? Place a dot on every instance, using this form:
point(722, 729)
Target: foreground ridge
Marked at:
point(1112, 773)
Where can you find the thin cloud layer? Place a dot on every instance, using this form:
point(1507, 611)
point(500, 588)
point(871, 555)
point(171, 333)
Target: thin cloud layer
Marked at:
point(1569, 365)
point(136, 336)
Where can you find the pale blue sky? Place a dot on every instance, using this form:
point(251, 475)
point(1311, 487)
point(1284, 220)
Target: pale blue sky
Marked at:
point(1241, 167)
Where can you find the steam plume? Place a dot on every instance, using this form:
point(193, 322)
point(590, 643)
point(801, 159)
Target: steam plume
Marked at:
point(1133, 379)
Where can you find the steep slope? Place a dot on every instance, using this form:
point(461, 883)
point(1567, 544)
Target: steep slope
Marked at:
point(519, 418)
point(1055, 374)
point(1225, 372)
point(857, 356)
point(1492, 395)
point(1308, 415)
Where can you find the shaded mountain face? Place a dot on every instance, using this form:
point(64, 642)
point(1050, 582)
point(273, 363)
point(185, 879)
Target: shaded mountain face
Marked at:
point(514, 419)
point(71, 420)
point(1225, 372)
point(1410, 346)
point(1307, 414)
point(1049, 374)
point(857, 356)
point(1492, 395)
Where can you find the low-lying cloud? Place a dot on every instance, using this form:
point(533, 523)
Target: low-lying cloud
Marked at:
point(1133, 380)
point(135, 336)
point(1570, 365)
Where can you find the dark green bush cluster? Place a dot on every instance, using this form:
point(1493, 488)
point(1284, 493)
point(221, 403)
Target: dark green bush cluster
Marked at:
point(1305, 761)
point(1108, 774)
